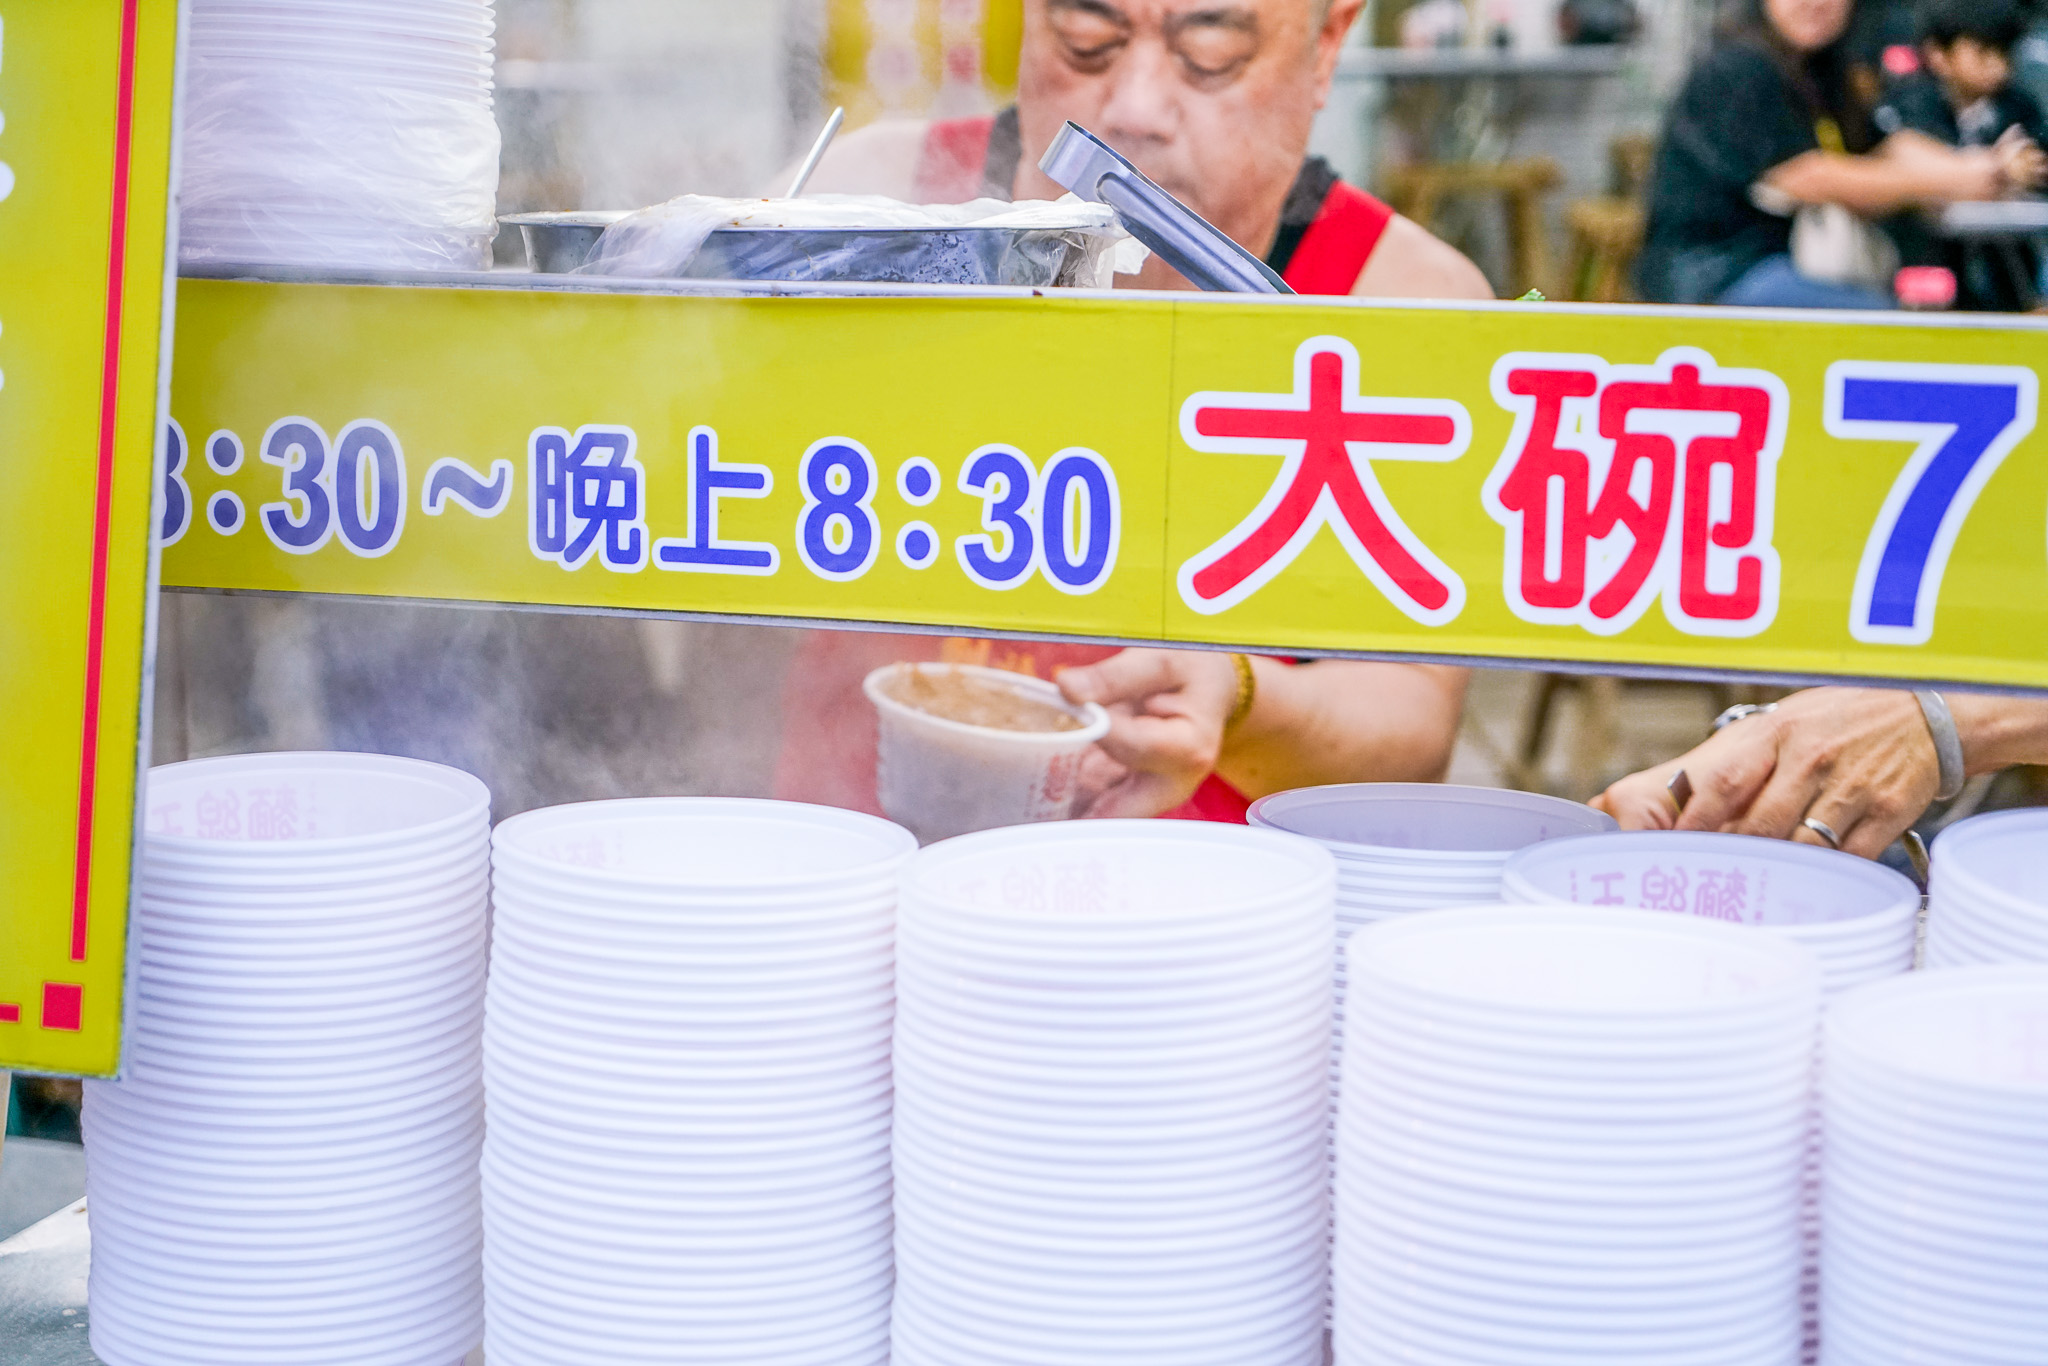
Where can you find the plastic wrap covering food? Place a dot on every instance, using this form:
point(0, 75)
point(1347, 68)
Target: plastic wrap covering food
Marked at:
point(869, 238)
point(315, 136)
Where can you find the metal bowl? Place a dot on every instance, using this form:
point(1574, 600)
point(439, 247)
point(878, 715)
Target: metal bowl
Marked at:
point(557, 243)
point(560, 242)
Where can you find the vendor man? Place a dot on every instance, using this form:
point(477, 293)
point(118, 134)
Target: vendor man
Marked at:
point(1214, 99)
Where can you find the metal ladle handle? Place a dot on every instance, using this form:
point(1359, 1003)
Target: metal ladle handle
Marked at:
point(817, 153)
point(1084, 164)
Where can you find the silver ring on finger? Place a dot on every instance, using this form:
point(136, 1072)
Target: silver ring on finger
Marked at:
point(1824, 830)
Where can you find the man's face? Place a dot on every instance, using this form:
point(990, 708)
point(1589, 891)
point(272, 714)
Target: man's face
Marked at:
point(1969, 68)
point(1211, 98)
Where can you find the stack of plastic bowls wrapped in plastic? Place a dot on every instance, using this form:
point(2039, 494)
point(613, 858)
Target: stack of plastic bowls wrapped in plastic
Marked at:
point(1859, 919)
point(1572, 1134)
point(1935, 1210)
point(1988, 896)
point(340, 133)
point(1111, 1055)
point(687, 1068)
point(288, 1171)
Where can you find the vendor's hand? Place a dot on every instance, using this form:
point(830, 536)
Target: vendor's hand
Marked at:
point(1167, 710)
point(1859, 760)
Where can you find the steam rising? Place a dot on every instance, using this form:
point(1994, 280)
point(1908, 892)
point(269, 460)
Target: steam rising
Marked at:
point(602, 103)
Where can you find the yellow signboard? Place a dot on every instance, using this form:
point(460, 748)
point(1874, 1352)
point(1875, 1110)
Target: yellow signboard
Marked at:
point(85, 154)
point(1680, 490)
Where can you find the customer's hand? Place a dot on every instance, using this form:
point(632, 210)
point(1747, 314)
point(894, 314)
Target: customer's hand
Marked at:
point(1167, 710)
point(2020, 159)
point(1859, 760)
point(1974, 173)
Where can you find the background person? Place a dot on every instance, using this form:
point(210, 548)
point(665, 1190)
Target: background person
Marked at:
point(1215, 101)
point(1772, 122)
point(1862, 762)
point(1964, 96)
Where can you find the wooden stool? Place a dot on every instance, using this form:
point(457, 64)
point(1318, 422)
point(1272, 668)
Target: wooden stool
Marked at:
point(1632, 157)
point(1590, 763)
point(1419, 191)
point(1606, 233)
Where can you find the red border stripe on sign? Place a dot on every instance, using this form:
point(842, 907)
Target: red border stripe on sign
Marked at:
point(110, 406)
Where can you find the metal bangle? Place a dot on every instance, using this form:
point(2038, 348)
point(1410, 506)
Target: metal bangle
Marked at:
point(1739, 711)
point(1948, 745)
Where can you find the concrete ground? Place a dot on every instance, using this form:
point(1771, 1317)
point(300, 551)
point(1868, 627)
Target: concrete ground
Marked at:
point(37, 1178)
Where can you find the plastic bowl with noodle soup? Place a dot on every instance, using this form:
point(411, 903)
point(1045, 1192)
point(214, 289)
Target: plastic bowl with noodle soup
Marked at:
point(965, 748)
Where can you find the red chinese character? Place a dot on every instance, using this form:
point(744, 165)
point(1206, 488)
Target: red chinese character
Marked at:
point(273, 813)
point(1547, 486)
point(1590, 537)
point(1328, 436)
point(1723, 894)
point(1646, 518)
point(1751, 407)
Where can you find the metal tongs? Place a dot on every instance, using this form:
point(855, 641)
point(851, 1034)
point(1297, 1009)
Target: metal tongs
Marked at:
point(1185, 240)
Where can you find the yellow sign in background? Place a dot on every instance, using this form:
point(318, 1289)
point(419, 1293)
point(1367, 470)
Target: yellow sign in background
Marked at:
point(1699, 491)
point(86, 93)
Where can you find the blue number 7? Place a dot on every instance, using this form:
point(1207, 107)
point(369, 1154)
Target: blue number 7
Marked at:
point(1963, 420)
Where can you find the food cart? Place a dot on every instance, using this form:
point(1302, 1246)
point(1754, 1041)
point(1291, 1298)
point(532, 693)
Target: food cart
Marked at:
point(1788, 498)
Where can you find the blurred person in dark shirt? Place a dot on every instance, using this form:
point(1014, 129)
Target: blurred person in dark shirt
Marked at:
point(1964, 96)
point(1772, 121)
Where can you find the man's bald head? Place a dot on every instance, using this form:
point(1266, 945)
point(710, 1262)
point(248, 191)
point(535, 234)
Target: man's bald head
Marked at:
point(1214, 99)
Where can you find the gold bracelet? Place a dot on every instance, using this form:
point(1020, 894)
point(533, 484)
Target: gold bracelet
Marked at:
point(1247, 691)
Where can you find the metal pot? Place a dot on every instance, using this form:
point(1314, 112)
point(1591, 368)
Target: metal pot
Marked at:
point(901, 256)
point(560, 242)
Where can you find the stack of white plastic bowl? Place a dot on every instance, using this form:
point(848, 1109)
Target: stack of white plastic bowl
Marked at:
point(1935, 1098)
point(1110, 1114)
point(1857, 917)
point(1403, 847)
point(1419, 846)
point(1406, 847)
point(1988, 897)
point(687, 1065)
point(344, 133)
point(288, 1171)
point(1572, 1135)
